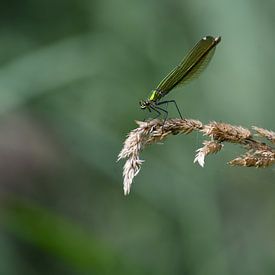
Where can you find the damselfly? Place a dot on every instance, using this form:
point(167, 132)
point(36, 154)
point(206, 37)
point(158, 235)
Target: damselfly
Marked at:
point(189, 68)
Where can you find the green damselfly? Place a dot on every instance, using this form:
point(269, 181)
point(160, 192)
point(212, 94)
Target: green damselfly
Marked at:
point(190, 67)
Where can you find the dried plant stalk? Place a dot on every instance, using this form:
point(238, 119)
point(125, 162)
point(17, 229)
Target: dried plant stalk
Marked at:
point(153, 131)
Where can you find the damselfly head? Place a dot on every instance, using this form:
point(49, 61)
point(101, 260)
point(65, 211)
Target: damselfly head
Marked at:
point(144, 104)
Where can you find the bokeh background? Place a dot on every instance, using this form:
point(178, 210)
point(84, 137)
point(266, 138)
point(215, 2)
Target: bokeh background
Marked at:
point(71, 76)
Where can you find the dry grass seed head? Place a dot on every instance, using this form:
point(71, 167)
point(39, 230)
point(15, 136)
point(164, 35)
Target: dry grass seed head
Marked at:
point(149, 132)
point(226, 132)
point(270, 135)
point(210, 147)
point(257, 159)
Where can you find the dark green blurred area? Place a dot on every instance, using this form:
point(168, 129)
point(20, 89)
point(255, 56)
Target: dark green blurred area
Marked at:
point(71, 76)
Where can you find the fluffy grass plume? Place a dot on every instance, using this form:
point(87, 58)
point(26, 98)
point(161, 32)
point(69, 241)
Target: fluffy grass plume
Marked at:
point(257, 153)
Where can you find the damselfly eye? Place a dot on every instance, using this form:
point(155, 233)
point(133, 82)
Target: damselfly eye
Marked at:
point(142, 104)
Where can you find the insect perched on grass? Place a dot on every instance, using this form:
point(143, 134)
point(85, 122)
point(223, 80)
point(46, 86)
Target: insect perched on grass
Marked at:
point(190, 67)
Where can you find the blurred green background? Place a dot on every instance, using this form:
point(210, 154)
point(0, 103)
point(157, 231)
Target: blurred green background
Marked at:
point(71, 76)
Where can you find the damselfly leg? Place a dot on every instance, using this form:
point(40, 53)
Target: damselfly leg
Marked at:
point(173, 101)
